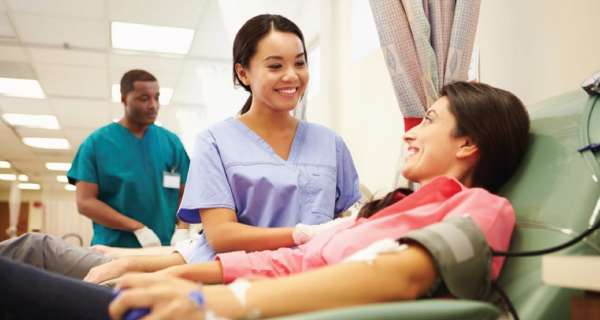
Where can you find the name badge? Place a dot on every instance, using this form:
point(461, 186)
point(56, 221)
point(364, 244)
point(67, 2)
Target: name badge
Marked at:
point(171, 180)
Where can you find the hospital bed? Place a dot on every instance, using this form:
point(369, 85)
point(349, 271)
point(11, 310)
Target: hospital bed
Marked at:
point(554, 193)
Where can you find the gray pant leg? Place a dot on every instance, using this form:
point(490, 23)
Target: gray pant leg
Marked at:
point(52, 254)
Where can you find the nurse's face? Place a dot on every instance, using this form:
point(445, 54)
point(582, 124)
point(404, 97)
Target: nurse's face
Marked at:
point(277, 73)
point(432, 149)
point(141, 104)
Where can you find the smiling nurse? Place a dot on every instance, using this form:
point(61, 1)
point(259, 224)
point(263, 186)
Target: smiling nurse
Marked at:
point(255, 176)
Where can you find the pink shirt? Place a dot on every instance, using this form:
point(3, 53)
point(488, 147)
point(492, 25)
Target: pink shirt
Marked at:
point(441, 199)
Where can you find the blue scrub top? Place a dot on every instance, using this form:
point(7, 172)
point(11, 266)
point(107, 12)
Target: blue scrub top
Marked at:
point(129, 175)
point(232, 167)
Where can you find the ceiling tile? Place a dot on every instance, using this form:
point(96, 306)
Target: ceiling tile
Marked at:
point(12, 147)
point(68, 57)
point(7, 33)
point(150, 64)
point(39, 133)
point(76, 113)
point(65, 81)
point(16, 70)
point(173, 13)
point(77, 33)
point(165, 79)
point(29, 166)
point(13, 54)
point(93, 9)
point(211, 45)
point(77, 136)
point(25, 106)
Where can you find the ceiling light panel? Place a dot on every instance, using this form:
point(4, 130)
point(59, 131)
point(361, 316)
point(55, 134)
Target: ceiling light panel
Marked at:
point(47, 143)
point(143, 37)
point(63, 179)
point(4, 164)
point(29, 186)
point(58, 166)
point(26, 88)
point(8, 177)
point(31, 121)
point(23, 177)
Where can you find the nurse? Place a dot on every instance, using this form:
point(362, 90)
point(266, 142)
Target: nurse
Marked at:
point(130, 174)
point(255, 176)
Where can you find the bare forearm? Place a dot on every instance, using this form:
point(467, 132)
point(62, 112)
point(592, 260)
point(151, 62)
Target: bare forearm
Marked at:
point(207, 273)
point(233, 236)
point(391, 277)
point(153, 263)
point(103, 214)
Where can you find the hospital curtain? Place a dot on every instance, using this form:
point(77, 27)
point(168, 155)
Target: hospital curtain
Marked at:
point(426, 44)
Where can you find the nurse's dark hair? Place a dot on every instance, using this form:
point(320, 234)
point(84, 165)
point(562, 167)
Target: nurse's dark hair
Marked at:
point(247, 39)
point(496, 121)
point(131, 76)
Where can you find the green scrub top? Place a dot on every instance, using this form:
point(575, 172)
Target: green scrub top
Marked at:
point(129, 174)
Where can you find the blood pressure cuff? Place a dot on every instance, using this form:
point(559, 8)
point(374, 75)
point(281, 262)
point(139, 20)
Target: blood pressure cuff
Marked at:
point(462, 257)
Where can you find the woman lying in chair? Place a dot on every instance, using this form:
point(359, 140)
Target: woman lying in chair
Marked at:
point(468, 144)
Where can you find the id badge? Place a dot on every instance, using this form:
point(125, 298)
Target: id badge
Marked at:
point(171, 180)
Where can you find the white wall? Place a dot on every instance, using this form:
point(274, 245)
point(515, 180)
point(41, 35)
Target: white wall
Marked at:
point(536, 49)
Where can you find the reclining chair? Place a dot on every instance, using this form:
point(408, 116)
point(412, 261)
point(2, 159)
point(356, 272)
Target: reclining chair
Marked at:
point(554, 194)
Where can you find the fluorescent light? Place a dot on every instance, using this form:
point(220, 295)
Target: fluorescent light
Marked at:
point(58, 166)
point(8, 177)
point(4, 164)
point(158, 123)
point(32, 121)
point(164, 99)
point(62, 179)
point(165, 96)
point(23, 177)
point(116, 120)
point(29, 186)
point(21, 88)
point(70, 187)
point(116, 92)
point(143, 37)
point(47, 143)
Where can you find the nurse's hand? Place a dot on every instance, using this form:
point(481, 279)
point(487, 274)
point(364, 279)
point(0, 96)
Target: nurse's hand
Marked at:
point(107, 271)
point(167, 297)
point(147, 237)
point(303, 233)
point(180, 235)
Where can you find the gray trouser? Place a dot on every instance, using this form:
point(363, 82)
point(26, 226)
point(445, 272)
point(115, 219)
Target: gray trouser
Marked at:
point(52, 254)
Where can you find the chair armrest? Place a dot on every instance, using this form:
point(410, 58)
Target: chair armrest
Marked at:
point(414, 310)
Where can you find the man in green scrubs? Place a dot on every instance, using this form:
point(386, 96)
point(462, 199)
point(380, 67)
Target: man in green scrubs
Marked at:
point(130, 175)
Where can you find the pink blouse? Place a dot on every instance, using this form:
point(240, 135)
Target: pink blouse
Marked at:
point(441, 199)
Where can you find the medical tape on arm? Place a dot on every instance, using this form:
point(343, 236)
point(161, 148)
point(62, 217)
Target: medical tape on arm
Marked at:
point(239, 288)
point(370, 253)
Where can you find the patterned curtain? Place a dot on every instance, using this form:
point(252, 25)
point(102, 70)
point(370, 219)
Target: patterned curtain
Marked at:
point(426, 44)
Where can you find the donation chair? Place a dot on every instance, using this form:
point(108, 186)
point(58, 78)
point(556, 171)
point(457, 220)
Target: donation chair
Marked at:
point(554, 194)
